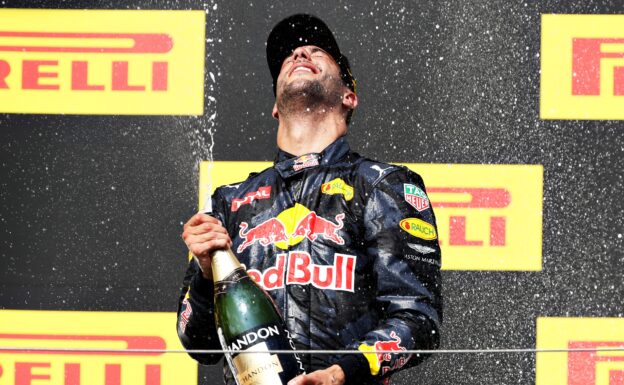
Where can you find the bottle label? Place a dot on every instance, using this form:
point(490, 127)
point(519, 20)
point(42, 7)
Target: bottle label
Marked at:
point(258, 368)
point(222, 285)
point(261, 367)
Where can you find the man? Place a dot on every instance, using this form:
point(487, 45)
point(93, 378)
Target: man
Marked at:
point(352, 258)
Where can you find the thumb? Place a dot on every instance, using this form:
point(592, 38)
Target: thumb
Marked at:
point(297, 380)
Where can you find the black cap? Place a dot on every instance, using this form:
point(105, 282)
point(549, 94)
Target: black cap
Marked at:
point(302, 29)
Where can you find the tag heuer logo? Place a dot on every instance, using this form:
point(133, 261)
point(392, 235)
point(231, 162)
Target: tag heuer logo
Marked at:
point(416, 197)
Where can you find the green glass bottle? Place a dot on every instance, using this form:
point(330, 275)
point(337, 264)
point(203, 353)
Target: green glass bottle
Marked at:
point(247, 320)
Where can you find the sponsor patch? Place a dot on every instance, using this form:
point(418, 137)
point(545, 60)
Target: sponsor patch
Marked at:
point(420, 248)
point(290, 227)
point(312, 226)
point(418, 258)
point(380, 356)
point(305, 161)
point(185, 314)
point(262, 193)
point(381, 171)
point(418, 228)
point(338, 186)
point(297, 268)
point(415, 197)
point(266, 233)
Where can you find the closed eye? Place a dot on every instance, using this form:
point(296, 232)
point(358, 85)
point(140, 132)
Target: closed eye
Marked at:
point(318, 51)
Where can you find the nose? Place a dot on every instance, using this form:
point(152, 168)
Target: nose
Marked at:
point(301, 52)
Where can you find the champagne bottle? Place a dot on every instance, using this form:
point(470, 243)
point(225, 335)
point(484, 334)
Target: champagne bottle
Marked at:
point(247, 320)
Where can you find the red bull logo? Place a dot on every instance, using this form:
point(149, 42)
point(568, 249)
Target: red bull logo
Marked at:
point(297, 268)
point(266, 233)
point(305, 161)
point(290, 227)
point(393, 345)
point(380, 357)
point(312, 226)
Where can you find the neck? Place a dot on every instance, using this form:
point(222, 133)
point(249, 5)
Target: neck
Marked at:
point(310, 132)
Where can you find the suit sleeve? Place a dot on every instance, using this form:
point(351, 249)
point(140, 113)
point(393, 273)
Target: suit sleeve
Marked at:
point(401, 236)
point(196, 324)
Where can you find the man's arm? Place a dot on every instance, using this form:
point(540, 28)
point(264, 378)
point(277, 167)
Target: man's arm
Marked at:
point(196, 324)
point(407, 271)
point(401, 235)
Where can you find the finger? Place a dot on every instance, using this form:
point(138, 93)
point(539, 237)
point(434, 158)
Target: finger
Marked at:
point(205, 237)
point(203, 249)
point(214, 227)
point(299, 380)
point(200, 218)
point(204, 228)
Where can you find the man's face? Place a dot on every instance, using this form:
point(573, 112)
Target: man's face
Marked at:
point(307, 71)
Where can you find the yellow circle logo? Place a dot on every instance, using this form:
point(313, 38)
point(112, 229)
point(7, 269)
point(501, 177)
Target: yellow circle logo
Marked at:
point(290, 218)
point(418, 228)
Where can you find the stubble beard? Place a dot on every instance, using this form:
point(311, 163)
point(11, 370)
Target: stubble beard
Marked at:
point(308, 96)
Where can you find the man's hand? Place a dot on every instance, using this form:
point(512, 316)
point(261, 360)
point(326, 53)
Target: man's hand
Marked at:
point(330, 376)
point(204, 234)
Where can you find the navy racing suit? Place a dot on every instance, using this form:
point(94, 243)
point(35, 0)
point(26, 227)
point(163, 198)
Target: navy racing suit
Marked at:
point(347, 248)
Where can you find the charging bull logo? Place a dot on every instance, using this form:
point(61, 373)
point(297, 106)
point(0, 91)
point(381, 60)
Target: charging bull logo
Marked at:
point(388, 346)
point(266, 233)
point(290, 227)
point(311, 226)
point(380, 357)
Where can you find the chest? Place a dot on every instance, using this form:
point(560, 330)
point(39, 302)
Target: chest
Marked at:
point(312, 212)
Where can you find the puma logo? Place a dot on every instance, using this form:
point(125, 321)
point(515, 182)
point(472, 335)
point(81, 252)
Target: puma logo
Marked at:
point(380, 170)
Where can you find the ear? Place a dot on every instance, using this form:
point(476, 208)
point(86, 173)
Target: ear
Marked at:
point(349, 99)
point(274, 112)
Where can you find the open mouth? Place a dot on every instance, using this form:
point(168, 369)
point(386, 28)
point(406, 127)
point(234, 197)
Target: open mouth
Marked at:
point(303, 68)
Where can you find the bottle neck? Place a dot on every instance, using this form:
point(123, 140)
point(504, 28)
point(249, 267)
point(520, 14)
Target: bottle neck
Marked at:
point(224, 262)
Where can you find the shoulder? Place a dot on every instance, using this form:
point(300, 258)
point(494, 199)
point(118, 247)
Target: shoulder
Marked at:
point(376, 172)
point(254, 182)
